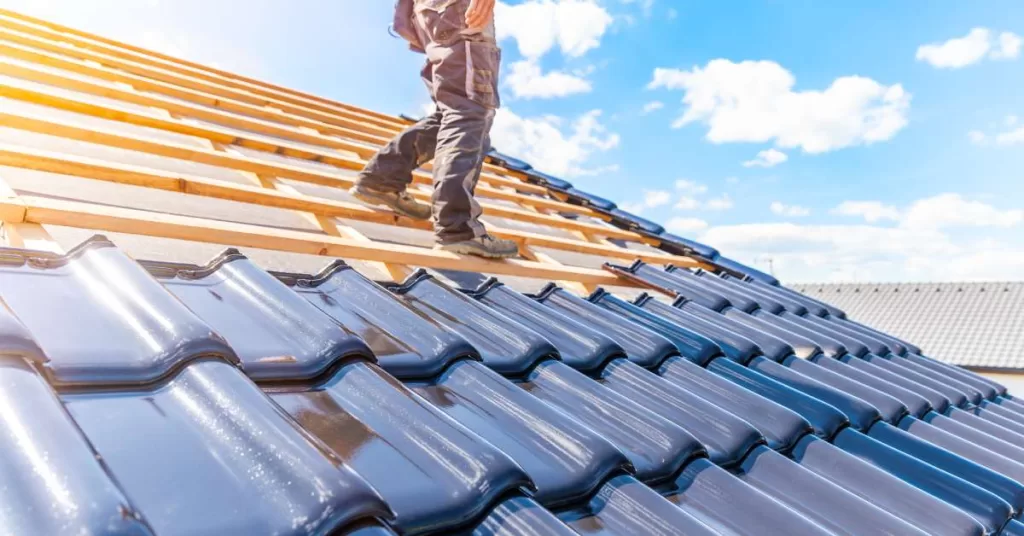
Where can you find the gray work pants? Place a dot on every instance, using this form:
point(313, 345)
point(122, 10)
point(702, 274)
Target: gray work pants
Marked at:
point(462, 76)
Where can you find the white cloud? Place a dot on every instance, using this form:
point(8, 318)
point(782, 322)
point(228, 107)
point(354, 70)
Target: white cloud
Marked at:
point(978, 44)
point(527, 82)
point(767, 159)
point(691, 187)
point(653, 106)
point(548, 146)
point(754, 101)
point(1008, 47)
point(794, 211)
point(686, 225)
point(1011, 137)
point(934, 213)
point(1010, 120)
point(720, 203)
point(958, 52)
point(952, 210)
point(871, 211)
point(687, 203)
point(574, 26)
point(652, 199)
point(977, 137)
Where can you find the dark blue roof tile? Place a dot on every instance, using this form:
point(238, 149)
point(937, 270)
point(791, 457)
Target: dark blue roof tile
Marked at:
point(826, 419)
point(852, 344)
point(660, 280)
point(737, 299)
point(278, 335)
point(656, 447)
point(816, 498)
point(763, 300)
point(861, 414)
point(579, 345)
point(874, 345)
point(989, 389)
point(632, 222)
point(434, 473)
point(678, 245)
point(829, 346)
point(915, 403)
point(690, 344)
point(16, 341)
point(956, 425)
point(802, 347)
point(101, 319)
point(730, 506)
point(814, 306)
point(795, 304)
point(505, 345)
point(535, 434)
point(208, 448)
point(626, 506)
point(407, 343)
point(769, 345)
point(543, 179)
point(888, 406)
point(973, 395)
point(507, 161)
point(520, 515)
point(741, 269)
point(928, 444)
point(954, 396)
point(53, 483)
point(735, 347)
point(986, 507)
point(884, 490)
point(643, 346)
point(726, 437)
point(579, 197)
point(780, 426)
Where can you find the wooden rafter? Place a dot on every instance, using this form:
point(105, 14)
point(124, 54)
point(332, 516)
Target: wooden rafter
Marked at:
point(232, 116)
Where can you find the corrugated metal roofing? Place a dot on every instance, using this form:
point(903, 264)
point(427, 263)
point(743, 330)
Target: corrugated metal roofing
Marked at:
point(262, 393)
point(968, 324)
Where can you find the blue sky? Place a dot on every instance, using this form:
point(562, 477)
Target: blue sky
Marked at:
point(898, 121)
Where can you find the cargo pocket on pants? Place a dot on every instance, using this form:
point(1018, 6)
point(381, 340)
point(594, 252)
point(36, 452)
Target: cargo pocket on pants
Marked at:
point(483, 59)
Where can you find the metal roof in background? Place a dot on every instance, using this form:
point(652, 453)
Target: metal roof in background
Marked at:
point(212, 390)
point(977, 325)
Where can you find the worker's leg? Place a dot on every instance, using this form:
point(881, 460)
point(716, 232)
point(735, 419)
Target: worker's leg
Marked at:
point(390, 170)
point(457, 163)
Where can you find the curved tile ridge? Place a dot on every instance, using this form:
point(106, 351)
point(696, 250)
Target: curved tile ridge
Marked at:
point(580, 346)
point(650, 277)
point(209, 446)
point(407, 343)
point(278, 335)
point(53, 483)
point(16, 341)
point(433, 472)
point(506, 346)
point(101, 319)
point(643, 346)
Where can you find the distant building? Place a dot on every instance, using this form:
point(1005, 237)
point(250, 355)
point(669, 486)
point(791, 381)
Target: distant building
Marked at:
point(979, 326)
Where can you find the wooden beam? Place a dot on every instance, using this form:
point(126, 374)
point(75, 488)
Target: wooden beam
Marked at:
point(19, 234)
point(351, 128)
point(149, 223)
point(114, 139)
point(81, 39)
point(299, 128)
point(328, 224)
point(167, 119)
point(273, 193)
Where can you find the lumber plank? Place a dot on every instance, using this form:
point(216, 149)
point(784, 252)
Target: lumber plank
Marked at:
point(273, 193)
point(171, 111)
point(82, 39)
point(148, 223)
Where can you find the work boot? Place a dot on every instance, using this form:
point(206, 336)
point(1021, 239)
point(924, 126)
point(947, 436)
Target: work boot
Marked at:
point(483, 246)
point(400, 202)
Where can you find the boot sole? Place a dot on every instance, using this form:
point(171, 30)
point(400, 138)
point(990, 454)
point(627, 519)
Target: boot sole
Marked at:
point(380, 201)
point(465, 250)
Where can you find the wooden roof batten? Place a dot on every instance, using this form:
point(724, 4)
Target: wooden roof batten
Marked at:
point(238, 120)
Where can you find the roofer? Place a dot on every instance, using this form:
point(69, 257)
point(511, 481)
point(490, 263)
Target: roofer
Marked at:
point(461, 73)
